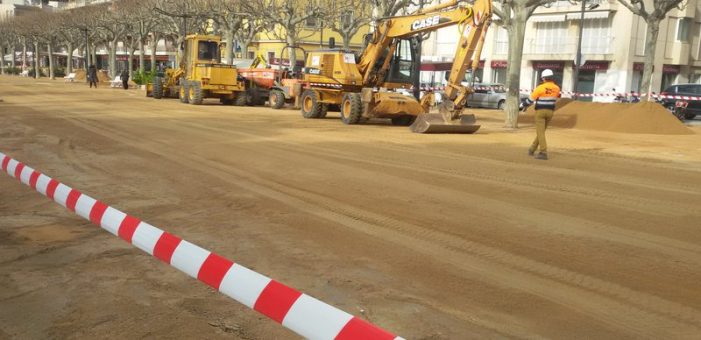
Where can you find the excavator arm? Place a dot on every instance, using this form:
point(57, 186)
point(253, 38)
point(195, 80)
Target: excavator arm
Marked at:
point(472, 21)
point(374, 61)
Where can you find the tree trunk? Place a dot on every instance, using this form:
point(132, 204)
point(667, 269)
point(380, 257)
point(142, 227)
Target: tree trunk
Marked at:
point(36, 60)
point(2, 59)
point(229, 52)
point(153, 45)
point(346, 40)
point(653, 30)
point(24, 54)
point(130, 62)
point(517, 32)
point(69, 64)
point(291, 42)
point(244, 47)
point(93, 55)
point(180, 41)
point(142, 56)
point(13, 50)
point(112, 53)
point(50, 49)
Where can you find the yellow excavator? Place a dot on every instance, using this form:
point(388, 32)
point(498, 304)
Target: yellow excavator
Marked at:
point(366, 87)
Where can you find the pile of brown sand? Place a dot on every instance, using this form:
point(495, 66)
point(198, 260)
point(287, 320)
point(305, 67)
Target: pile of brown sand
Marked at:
point(80, 74)
point(103, 77)
point(643, 117)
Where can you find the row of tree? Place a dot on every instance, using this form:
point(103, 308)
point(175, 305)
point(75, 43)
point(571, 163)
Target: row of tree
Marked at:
point(140, 23)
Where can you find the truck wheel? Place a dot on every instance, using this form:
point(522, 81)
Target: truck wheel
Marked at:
point(404, 120)
point(689, 115)
point(311, 107)
point(157, 91)
point(276, 99)
point(195, 93)
point(351, 108)
point(241, 98)
point(182, 94)
point(500, 104)
point(252, 97)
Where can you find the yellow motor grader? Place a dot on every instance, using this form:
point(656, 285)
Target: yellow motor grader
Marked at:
point(365, 87)
point(200, 75)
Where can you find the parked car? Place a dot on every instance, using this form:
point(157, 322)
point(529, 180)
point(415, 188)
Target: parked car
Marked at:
point(692, 90)
point(489, 95)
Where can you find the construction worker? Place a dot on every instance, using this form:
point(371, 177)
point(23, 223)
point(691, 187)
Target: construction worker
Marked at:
point(544, 97)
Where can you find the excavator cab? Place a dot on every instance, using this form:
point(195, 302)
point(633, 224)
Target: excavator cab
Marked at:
point(403, 68)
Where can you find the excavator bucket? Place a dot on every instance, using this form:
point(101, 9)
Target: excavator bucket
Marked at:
point(444, 123)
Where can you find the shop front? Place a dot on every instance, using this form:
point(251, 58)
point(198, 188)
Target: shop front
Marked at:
point(499, 71)
point(558, 68)
point(586, 79)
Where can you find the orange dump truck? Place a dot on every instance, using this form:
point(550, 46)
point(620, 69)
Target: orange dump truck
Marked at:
point(275, 86)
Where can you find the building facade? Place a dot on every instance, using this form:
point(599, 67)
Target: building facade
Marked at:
point(613, 44)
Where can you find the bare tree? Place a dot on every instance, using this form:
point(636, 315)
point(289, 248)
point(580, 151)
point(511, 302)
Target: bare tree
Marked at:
point(387, 8)
point(248, 32)
point(141, 21)
point(7, 42)
point(112, 28)
point(178, 19)
point(652, 16)
point(289, 20)
point(347, 17)
point(31, 34)
point(229, 16)
point(513, 15)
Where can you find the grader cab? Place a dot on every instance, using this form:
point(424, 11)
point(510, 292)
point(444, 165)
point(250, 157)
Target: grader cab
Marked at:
point(201, 75)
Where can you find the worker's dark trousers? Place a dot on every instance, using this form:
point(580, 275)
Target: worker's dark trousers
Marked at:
point(542, 119)
point(125, 84)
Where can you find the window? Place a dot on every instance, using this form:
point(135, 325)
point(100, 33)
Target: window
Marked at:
point(596, 36)
point(312, 21)
point(501, 43)
point(499, 75)
point(551, 37)
point(208, 50)
point(683, 25)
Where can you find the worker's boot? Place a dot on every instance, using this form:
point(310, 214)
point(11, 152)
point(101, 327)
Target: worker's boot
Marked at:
point(531, 152)
point(542, 155)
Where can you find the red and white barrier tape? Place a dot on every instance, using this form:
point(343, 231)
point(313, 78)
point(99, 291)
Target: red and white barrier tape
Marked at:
point(299, 312)
point(569, 93)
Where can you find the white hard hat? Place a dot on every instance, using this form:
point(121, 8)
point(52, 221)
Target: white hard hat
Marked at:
point(547, 73)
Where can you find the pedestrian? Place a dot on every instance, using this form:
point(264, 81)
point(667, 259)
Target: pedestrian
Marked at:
point(544, 96)
point(92, 76)
point(125, 79)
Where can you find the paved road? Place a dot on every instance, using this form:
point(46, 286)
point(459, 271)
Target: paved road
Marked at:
point(433, 237)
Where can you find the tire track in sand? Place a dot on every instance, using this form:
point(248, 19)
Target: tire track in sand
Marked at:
point(645, 205)
point(575, 226)
point(596, 298)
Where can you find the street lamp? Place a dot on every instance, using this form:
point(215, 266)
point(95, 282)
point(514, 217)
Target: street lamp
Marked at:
point(578, 62)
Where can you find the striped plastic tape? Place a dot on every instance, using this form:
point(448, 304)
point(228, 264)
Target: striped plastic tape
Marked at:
point(299, 312)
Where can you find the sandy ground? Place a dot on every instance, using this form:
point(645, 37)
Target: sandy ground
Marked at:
point(429, 236)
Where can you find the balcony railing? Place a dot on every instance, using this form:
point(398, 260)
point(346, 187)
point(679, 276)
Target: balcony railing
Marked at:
point(602, 45)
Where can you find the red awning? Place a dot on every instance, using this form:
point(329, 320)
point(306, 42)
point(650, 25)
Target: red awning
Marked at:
point(595, 66)
point(553, 65)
